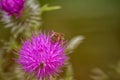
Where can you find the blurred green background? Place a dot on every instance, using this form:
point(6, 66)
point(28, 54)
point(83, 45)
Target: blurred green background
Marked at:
point(97, 20)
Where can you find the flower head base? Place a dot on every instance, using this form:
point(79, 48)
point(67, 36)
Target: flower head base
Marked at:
point(12, 7)
point(42, 57)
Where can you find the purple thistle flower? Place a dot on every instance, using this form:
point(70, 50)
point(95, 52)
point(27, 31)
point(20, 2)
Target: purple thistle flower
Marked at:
point(41, 57)
point(12, 7)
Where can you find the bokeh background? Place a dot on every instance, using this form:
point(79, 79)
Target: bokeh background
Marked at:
point(97, 20)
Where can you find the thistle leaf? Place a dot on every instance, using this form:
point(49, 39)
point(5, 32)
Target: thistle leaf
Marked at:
point(74, 43)
point(49, 8)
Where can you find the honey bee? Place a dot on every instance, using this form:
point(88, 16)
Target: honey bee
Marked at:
point(57, 37)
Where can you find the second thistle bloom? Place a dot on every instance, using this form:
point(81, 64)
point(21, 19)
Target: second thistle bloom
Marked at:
point(20, 15)
point(42, 57)
point(12, 7)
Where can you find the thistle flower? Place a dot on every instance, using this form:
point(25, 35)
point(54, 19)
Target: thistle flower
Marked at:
point(29, 17)
point(12, 7)
point(41, 57)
